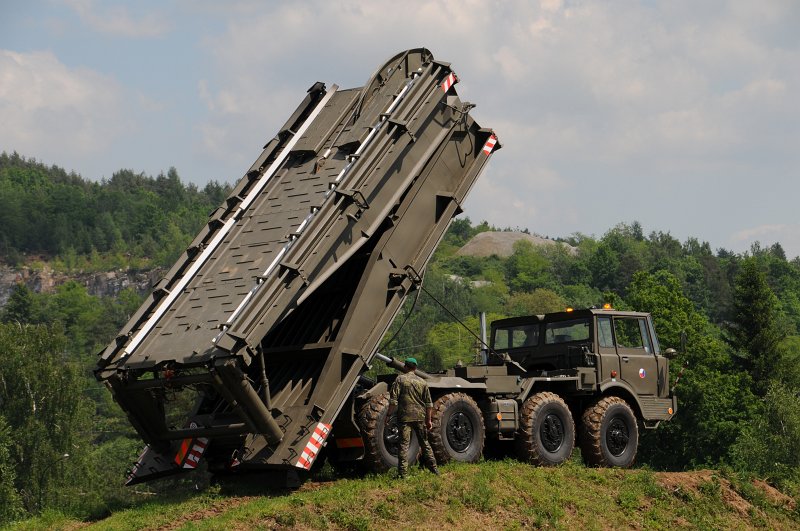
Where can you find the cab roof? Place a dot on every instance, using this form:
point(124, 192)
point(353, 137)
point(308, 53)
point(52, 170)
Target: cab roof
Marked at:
point(564, 316)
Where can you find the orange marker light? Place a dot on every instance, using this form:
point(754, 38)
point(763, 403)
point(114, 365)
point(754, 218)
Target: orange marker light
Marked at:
point(607, 306)
point(499, 416)
point(569, 309)
point(669, 411)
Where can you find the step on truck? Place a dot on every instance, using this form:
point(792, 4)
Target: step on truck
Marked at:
point(247, 351)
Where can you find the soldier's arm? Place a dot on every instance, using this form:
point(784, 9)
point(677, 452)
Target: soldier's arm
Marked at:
point(393, 395)
point(428, 409)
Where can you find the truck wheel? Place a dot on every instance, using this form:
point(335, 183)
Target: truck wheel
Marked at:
point(381, 438)
point(546, 436)
point(609, 433)
point(458, 430)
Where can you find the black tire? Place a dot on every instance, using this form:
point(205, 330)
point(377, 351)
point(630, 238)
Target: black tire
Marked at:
point(381, 440)
point(609, 433)
point(546, 435)
point(458, 431)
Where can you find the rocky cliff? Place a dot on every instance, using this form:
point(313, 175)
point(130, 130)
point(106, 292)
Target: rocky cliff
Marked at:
point(105, 284)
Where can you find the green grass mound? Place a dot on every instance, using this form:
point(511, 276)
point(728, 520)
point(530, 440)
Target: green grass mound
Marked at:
point(490, 495)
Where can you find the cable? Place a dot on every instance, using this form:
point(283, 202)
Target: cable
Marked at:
point(405, 320)
point(417, 279)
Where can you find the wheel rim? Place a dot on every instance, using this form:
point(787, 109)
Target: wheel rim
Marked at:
point(459, 431)
point(551, 433)
point(617, 436)
point(391, 436)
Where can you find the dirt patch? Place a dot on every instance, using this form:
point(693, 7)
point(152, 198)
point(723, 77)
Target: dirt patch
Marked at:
point(217, 508)
point(774, 496)
point(693, 483)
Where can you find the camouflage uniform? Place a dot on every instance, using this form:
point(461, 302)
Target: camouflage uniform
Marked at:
point(411, 396)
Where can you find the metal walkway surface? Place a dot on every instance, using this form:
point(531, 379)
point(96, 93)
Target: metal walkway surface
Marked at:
point(279, 303)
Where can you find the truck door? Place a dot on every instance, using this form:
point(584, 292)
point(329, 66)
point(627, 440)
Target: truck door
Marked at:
point(637, 358)
point(609, 359)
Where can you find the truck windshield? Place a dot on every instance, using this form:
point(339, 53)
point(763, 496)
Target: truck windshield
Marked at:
point(566, 331)
point(526, 335)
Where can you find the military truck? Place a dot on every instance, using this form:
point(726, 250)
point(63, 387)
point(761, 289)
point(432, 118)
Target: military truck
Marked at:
point(251, 352)
point(594, 373)
point(247, 350)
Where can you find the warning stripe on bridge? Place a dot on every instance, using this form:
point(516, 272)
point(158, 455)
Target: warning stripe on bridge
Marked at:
point(314, 445)
point(489, 145)
point(190, 452)
point(449, 81)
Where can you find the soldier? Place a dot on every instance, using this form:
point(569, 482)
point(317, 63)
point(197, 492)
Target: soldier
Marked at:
point(411, 398)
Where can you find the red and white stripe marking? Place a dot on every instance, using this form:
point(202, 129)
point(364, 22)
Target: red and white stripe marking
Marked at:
point(195, 453)
point(489, 145)
point(314, 445)
point(449, 81)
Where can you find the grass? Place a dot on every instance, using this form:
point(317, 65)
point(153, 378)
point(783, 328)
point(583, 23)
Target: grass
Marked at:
point(490, 495)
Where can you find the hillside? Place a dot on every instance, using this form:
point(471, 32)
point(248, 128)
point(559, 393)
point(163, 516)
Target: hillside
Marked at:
point(734, 317)
point(490, 495)
point(501, 243)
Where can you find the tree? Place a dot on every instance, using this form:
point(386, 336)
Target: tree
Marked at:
point(47, 414)
point(754, 332)
point(713, 400)
point(448, 343)
point(661, 295)
point(528, 269)
point(770, 444)
point(604, 267)
point(10, 504)
point(20, 306)
point(537, 302)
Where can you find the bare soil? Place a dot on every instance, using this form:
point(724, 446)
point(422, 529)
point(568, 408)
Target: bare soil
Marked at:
point(502, 244)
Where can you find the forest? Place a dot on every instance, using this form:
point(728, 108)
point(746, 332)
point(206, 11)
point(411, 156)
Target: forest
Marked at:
point(65, 445)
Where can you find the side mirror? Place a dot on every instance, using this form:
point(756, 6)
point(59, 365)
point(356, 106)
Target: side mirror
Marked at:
point(670, 353)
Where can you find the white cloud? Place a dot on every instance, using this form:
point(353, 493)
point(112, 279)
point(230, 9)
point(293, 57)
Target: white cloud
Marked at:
point(788, 235)
point(598, 105)
point(117, 21)
point(50, 110)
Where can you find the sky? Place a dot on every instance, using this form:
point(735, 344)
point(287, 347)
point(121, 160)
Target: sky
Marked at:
point(681, 115)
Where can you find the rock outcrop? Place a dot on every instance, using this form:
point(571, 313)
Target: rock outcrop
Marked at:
point(502, 244)
point(104, 284)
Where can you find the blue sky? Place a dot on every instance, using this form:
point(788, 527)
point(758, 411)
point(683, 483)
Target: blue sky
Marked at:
point(682, 115)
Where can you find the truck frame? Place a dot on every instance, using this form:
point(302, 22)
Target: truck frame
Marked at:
point(594, 375)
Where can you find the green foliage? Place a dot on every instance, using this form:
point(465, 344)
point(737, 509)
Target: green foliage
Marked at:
point(754, 332)
point(770, 444)
point(448, 343)
point(20, 306)
point(42, 401)
point(738, 400)
point(10, 503)
point(528, 269)
point(46, 393)
point(661, 295)
point(536, 302)
point(713, 403)
point(129, 217)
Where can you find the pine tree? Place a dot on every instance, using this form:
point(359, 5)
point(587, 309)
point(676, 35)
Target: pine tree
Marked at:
point(754, 332)
point(19, 307)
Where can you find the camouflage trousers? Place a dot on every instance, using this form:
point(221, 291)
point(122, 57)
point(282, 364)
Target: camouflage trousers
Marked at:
point(405, 440)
